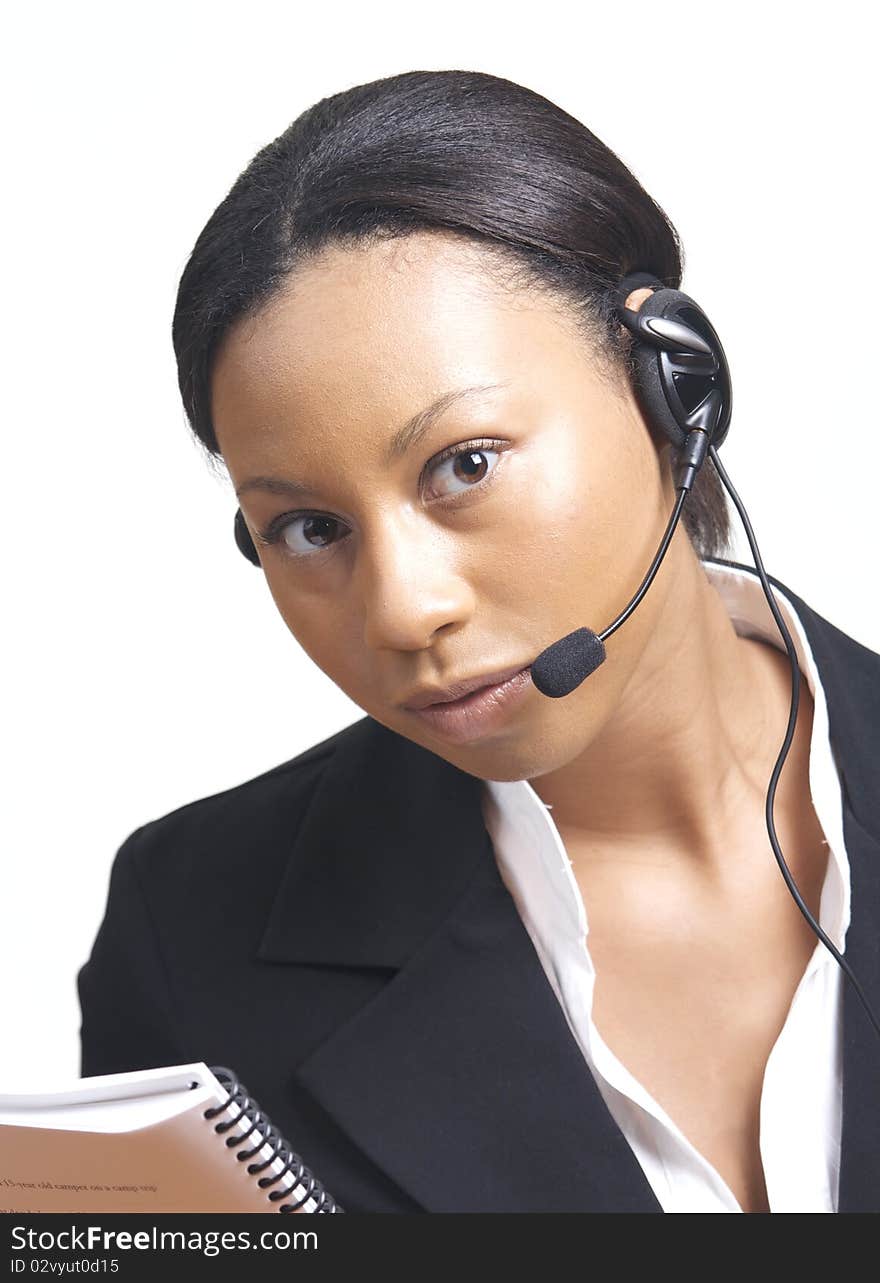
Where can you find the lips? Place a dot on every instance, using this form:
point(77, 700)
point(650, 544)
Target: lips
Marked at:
point(457, 690)
point(484, 712)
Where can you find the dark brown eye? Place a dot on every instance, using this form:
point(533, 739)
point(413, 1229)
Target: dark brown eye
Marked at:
point(303, 534)
point(471, 466)
point(318, 530)
point(468, 467)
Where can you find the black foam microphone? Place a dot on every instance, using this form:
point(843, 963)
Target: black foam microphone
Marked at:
point(562, 667)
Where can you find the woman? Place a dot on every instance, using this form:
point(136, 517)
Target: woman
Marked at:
point(515, 953)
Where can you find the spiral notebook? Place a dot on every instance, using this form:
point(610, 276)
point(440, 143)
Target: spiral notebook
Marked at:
point(183, 1138)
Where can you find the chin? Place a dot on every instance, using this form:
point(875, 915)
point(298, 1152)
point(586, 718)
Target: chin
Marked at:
point(509, 760)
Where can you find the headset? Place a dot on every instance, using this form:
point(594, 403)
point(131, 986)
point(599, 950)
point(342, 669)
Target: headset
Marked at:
point(682, 383)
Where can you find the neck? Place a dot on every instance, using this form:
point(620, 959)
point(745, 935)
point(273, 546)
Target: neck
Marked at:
point(684, 763)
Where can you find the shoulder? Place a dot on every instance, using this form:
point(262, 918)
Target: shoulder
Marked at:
point(838, 653)
point(188, 896)
point(237, 830)
point(849, 672)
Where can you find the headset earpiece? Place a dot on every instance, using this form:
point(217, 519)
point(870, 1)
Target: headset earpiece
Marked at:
point(680, 373)
point(243, 539)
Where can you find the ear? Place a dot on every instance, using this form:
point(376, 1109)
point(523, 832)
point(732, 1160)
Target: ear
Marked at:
point(635, 300)
point(659, 439)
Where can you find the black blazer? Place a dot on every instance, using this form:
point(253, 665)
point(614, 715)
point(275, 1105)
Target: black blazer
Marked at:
point(337, 932)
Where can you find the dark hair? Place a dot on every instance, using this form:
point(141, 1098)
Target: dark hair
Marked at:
point(463, 151)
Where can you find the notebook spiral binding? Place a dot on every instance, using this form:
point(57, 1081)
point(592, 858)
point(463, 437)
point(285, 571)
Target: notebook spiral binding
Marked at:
point(266, 1135)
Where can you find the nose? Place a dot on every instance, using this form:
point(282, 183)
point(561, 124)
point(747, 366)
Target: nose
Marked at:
point(411, 583)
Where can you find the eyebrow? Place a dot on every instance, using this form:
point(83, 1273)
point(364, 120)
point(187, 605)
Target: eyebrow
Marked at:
point(404, 439)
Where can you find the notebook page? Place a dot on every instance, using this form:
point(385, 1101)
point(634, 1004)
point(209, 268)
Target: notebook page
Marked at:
point(111, 1160)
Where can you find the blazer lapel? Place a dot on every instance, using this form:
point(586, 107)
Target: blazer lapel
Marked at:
point(860, 1139)
point(460, 1078)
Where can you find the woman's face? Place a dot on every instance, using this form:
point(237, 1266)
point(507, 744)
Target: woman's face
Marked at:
point(466, 543)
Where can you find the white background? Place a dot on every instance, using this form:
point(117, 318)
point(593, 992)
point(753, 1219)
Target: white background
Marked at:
point(144, 662)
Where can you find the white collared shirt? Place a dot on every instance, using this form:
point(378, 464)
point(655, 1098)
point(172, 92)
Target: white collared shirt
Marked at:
point(800, 1116)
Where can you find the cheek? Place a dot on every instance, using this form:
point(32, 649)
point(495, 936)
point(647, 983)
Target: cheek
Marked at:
point(578, 515)
point(321, 626)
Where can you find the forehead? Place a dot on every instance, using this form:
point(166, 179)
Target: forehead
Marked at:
point(365, 334)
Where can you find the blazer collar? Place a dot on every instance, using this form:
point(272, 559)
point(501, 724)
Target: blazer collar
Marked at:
point(392, 836)
point(471, 1089)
